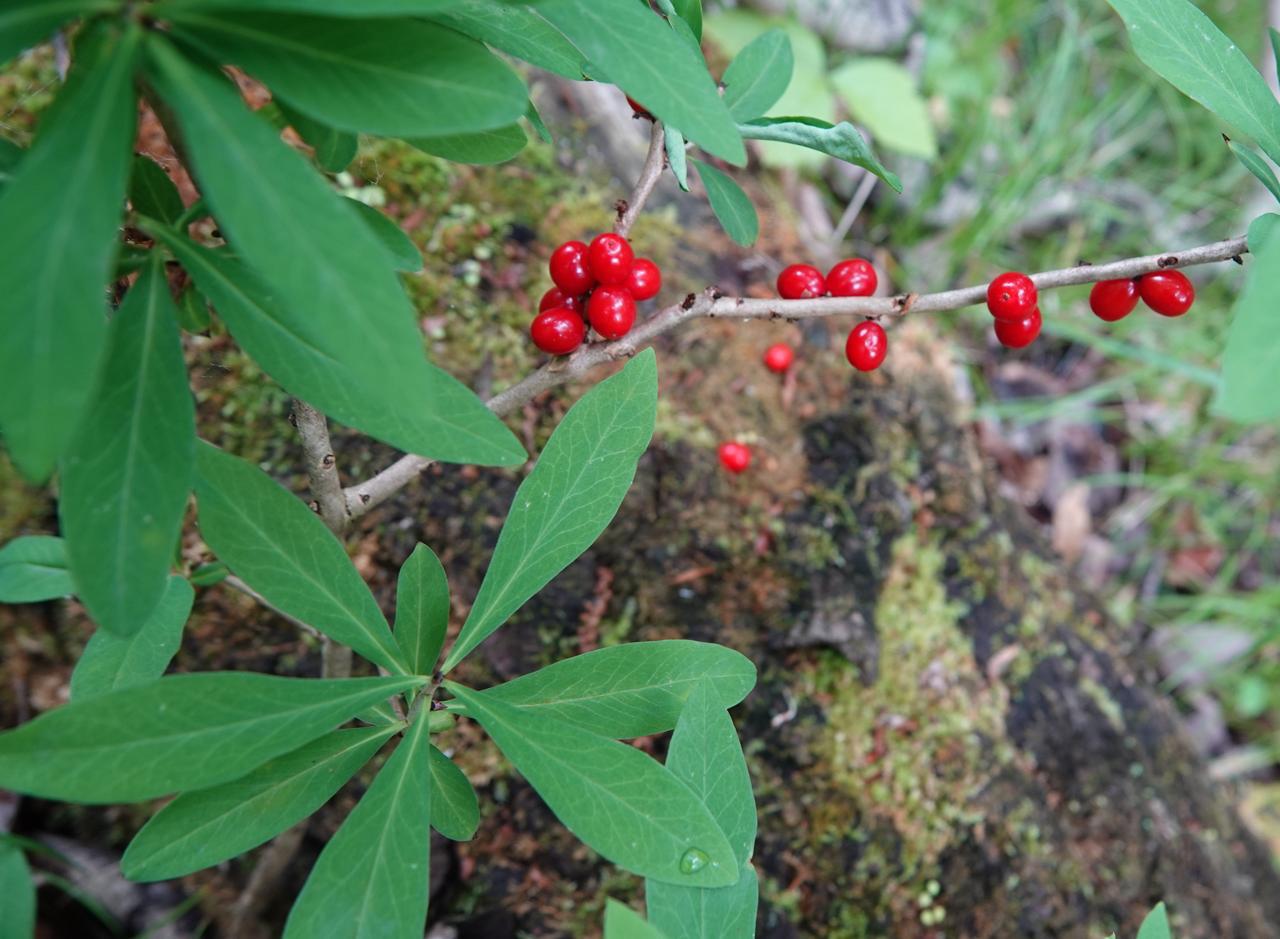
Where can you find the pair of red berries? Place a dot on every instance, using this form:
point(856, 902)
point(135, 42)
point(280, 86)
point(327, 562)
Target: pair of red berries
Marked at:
point(1169, 293)
point(867, 343)
point(598, 284)
point(1014, 302)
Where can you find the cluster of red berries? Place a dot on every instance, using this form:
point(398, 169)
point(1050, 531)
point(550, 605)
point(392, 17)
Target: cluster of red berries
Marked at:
point(1169, 293)
point(867, 343)
point(1015, 304)
point(597, 284)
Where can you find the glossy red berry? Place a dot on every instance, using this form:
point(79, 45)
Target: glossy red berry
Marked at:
point(639, 109)
point(1018, 334)
point(778, 357)
point(645, 280)
point(1011, 296)
point(801, 282)
point(735, 457)
point(1169, 293)
point(555, 299)
point(866, 346)
point(558, 331)
point(609, 259)
point(611, 312)
point(1113, 300)
point(569, 269)
point(852, 278)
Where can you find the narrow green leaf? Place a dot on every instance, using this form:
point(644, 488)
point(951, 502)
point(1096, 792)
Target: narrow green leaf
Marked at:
point(669, 78)
point(10, 156)
point(282, 550)
point(731, 205)
point(1256, 165)
point(677, 159)
point(152, 192)
point(667, 9)
point(1184, 47)
point(202, 828)
point(1275, 47)
point(1252, 357)
point(34, 568)
point(394, 77)
point(572, 494)
point(630, 690)
point(334, 149)
point(401, 250)
point(539, 125)
point(350, 8)
point(422, 610)
point(381, 713)
point(624, 805)
point(372, 877)
point(25, 23)
point(19, 893)
point(1156, 925)
point(486, 147)
point(883, 97)
point(178, 732)
point(691, 12)
point(518, 30)
point(717, 913)
point(110, 662)
point(193, 310)
point(841, 141)
point(128, 470)
point(622, 922)
point(338, 321)
point(759, 75)
point(455, 810)
point(61, 212)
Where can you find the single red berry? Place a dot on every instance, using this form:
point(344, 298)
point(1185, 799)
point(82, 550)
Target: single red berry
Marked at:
point(778, 357)
point(611, 311)
point(866, 347)
point(555, 299)
point(735, 457)
point(557, 331)
point(609, 259)
point(1169, 293)
point(1113, 300)
point(569, 268)
point(639, 109)
point(1018, 334)
point(645, 280)
point(852, 278)
point(1011, 296)
point(801, 282)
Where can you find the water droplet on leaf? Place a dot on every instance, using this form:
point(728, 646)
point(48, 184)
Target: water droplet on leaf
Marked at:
point(693, 861)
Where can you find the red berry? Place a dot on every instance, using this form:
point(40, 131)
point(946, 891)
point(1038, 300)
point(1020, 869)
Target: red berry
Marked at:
point(1011, 296)
point(778, 357)
point(1017, 334)
point(866, 346)
point(801, 282)
point(609, 259)
point(612, 312)
point(557, 331)
point(555, 299)
point(1113, 300)
point(638, 109)
point(735, 457)
point(645, 280)
point(569, 268)
point(852, 278)
point(1169, 293)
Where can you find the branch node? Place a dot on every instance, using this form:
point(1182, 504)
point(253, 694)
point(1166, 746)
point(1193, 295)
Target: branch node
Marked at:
point(1169, 260)
point(621, 207)
point(328, 460)
point(1239, 260)
point(688, 303)
point(365, 497)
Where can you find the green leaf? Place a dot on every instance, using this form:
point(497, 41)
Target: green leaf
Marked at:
point(34, 568)
point(1156, 925)
point(1252, 358)
point(25, 23)
point(883, 97)
point(732, 206)
point(193, 310)
point(1275, 47)
point(127, 472)
point(619, 802)
point(486, 147)
point(630, 690)
point(622, 922)
point(1184, 47)
point(202, 828)
point(152, 192)
point(669, 78)
point(334, 149)
point(335, 327)
point(759, 75)
point(178, 732)
point(283, 551)
point(455, 810)
point(109, 662)
point(10, 156)
point(1256, 165)
point(394, 77)
point(572, 494)
point(61, 211)
point(518, 30)
point(401, 250)
point(351, 8)
point(717, 913)
point(422, 609)
point(841, 141)
point(19, 892)
point(677, 159)
point(691, 12)
point(372, 877)
point(381, 713)
point(538, 124)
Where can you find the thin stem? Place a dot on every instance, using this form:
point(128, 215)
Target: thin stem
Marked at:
point(654, 164)
point(322, 468)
